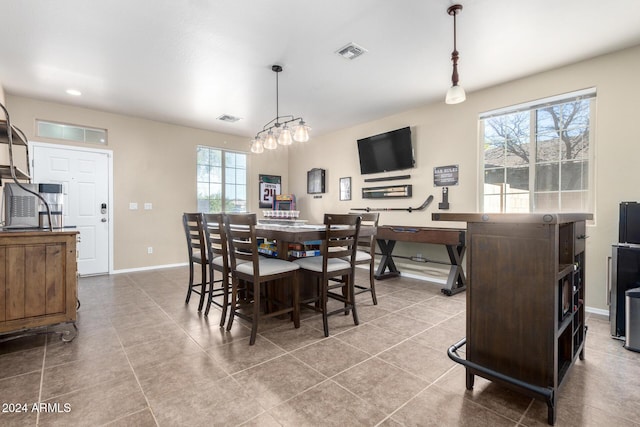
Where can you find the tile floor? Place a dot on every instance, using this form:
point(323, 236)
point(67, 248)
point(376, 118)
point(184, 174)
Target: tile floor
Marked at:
point(143, 358)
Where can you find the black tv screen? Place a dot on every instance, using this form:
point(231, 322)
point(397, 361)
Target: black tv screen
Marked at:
point(389, 151)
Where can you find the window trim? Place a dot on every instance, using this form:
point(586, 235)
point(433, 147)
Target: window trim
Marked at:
point(539, 103)
point(62, 126)
point(223, 183)
point(531, 107)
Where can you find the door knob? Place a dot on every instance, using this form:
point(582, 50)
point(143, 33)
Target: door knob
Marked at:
point(104, 220)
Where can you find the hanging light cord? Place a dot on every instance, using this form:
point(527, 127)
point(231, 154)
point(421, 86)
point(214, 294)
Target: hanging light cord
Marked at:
point(286, 119)
point(277, 99)
point(454, 55)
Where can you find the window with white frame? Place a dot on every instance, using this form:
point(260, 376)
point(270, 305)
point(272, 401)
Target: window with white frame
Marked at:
point(222, 180)
point(538, 157)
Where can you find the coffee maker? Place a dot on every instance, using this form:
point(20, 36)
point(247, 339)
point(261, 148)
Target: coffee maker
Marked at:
point(52, 194)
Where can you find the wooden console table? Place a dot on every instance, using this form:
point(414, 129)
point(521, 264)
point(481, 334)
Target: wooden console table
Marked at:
point(452, 238)
point(38, 281)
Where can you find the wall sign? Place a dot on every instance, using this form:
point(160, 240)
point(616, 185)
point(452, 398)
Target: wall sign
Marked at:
point(269, 189)
point(445, 176)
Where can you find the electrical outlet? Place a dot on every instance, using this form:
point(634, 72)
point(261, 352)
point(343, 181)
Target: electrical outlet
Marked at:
point(150, 250)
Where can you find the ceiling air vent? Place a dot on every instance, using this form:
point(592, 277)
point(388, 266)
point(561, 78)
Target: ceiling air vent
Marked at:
point(228, 118)
point(351, 51)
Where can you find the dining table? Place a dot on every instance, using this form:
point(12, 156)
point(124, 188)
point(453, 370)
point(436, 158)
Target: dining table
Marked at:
point(285, 234)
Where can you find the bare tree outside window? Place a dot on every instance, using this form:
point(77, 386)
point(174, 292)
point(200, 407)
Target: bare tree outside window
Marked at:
point(538, 159)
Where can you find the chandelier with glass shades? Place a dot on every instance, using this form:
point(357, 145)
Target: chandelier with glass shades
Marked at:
point(277, 131)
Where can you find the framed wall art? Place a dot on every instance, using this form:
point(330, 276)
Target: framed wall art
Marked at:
point(270, 187)
point(345, 188)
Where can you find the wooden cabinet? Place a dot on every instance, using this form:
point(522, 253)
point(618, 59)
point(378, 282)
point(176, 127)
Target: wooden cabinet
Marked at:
point(38, 281)
point(525, 299)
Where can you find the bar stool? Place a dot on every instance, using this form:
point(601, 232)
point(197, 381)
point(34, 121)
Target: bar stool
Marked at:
point(339, 244)
point(194, 232)
point(218, 256)
point(249, 267)
point(366, 253)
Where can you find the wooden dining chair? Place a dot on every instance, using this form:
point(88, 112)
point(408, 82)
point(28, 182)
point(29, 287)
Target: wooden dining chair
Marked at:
point(194, 232)
point(247, 266)
point(366, 253)
point(218, 257)
point(331, 269)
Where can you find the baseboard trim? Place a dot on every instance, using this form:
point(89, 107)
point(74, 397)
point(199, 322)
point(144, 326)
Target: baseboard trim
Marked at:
point(594, 310)
point(153, 267)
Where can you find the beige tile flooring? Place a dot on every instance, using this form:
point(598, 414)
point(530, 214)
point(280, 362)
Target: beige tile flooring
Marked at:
point(144, 358)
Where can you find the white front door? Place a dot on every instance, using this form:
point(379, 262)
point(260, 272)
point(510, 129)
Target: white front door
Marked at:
point(84, 175)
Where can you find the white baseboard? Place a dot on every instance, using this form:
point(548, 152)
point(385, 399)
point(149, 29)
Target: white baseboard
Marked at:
point(430, 279)
point(153, 267)
point(596, 311)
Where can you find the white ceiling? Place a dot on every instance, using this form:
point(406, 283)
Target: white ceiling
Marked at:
point(190, 61)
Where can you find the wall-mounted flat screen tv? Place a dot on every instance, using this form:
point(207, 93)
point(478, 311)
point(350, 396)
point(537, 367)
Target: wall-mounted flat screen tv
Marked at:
point(389, 151)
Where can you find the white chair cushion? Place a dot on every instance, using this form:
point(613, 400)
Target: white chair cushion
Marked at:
point(219, 261)
point(268, 266)
point(315, 264)
point(197, 258)
point(361, 256)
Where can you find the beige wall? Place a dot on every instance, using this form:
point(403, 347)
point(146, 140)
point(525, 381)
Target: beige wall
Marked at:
point(153, 162)
point(448, 134)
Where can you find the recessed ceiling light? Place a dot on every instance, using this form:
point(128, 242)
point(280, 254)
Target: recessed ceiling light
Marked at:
point(228, 118)
point(74, 92)
point(351, 51)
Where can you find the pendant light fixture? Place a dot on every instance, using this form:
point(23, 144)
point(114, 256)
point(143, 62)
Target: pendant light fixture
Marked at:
point(455, 94)
point(277, 131)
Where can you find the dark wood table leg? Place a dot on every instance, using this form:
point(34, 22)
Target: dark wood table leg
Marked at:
point(386, 261)
point(456, 281)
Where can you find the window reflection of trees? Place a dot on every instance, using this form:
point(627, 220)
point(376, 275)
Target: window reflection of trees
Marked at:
point(560, 136)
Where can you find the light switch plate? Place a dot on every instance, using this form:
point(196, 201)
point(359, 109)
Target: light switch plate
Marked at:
point(148, 206)
point(133, 206)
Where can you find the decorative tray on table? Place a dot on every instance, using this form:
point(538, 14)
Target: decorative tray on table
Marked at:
point(282, 217)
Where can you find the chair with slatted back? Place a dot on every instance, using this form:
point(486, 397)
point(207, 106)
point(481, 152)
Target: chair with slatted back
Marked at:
point(332, 269)
point(194, 231)
point(247, 266)
point(366, 253)
point(217, 254)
